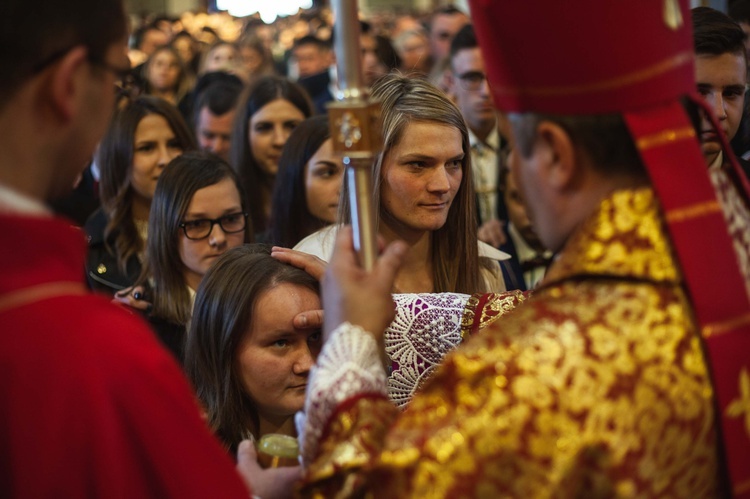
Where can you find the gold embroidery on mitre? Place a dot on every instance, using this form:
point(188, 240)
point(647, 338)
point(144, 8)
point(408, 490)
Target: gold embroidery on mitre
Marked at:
point(725, 326)
point(672, 15)
point(741, 405)
point(693, 211)
point(665, 137)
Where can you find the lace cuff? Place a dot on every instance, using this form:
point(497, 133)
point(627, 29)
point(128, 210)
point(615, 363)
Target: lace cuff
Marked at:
point(348, 365)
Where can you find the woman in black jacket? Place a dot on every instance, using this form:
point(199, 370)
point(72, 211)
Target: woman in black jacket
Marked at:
point(142, 138)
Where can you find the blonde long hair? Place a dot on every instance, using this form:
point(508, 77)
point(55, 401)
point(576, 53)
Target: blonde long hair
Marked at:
point(455, 255)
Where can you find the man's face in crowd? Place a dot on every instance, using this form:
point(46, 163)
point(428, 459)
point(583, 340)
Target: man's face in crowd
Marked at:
point(470, 89)
point(311, 60)
point(721, 80)
point(444, 27)
point(214, 132)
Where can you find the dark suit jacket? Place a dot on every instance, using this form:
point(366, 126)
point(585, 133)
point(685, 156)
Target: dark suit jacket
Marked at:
point(317, 86)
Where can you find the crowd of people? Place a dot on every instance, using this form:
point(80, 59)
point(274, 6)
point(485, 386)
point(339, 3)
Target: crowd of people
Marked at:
point(560, 302)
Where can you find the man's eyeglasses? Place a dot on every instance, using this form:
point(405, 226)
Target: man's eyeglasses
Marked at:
point(471, 80)
point(125, 81)
point(201, 228)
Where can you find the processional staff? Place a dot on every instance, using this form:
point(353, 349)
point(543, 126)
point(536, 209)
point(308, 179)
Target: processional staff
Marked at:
point(355, 129)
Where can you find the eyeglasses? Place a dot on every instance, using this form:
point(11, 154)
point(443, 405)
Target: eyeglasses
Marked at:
point(472, 80)
point(201, 228)
point(125, 81)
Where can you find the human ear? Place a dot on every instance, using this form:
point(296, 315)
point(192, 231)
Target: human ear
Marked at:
point(450, 83)
point(65, 84)
point(562, 168)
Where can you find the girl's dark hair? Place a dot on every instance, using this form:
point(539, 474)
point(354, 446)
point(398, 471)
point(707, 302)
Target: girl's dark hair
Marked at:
point(257, 184)
point(115, 160)
point(179, 181)
point(223, 311)
point(290, 219)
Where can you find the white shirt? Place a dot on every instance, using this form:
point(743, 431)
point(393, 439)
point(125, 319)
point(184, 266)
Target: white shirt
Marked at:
point(526, 252)
point(321, 244)
point(12, 201)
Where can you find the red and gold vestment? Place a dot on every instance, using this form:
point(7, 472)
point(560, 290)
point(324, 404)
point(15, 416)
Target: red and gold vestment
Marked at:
point(596, 385)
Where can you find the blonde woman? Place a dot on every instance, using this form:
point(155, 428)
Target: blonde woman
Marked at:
point(424, 194)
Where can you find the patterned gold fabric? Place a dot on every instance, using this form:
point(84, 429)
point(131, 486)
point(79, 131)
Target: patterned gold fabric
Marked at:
point(595, 387)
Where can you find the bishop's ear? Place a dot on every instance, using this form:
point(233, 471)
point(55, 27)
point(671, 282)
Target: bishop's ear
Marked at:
point(562, 168)
point(66, 82)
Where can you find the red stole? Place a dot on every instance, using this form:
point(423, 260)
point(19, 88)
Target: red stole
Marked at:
point(668, 146)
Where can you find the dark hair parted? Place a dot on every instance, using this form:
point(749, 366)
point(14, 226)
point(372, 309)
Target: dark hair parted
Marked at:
point(178, 183)
point(291, 221)
point(257, 184)
point(464, 39)
point(455, 255)
point(603, 138)
point(115, 160)
point(219, 97)
point(33, 36)
point(311, 40)
point(223, 312)
point(715, 33)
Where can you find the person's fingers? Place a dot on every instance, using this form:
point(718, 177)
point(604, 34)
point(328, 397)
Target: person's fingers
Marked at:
point(247, 462)
point(247, 456)
point(309, 263)
point(286, 474)
point(309, 319)
point(343, 250)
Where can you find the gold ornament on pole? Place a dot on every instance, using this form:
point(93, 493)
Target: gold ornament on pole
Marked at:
point(354, 122)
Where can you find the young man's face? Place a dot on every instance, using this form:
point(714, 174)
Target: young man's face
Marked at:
point(310, 59)
point(721, 80)
point(470, 89)
point(214, 132)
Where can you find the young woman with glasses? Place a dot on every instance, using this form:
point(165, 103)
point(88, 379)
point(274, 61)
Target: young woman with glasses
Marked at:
point(198, 213)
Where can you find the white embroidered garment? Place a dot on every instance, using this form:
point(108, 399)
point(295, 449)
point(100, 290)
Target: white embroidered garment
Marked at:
point(426, 327)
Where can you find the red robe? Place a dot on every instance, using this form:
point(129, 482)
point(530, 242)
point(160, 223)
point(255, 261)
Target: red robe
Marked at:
point(92, 405)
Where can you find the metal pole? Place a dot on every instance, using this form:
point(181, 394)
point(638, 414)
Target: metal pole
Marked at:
point(354, 129)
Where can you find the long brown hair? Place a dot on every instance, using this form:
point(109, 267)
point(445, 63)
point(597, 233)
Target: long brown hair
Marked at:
point(223, 311)
point(257, 184)
point(115, 160)
point(455, 254)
